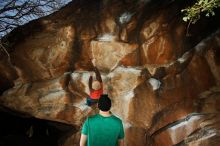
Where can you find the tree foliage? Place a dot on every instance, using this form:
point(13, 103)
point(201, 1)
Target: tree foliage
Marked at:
point(14, 13)
point(192, 14)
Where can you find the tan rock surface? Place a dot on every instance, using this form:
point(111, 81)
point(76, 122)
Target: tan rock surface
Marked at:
point(154, 73)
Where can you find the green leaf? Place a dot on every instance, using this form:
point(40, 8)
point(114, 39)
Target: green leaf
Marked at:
point(185, 19)
point(213, 13)
point(206, 7)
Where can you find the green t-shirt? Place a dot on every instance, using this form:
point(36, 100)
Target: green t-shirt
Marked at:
point(103, 131)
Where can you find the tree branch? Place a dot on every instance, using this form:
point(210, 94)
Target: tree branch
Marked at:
point(14, 13)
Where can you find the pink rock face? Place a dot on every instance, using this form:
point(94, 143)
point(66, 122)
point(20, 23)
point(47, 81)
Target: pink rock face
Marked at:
point(47, 100)
point(156, 76)
point(41, 59)
point(105, 50)
point(178, 132)
point(7, 74)
point(189, 129)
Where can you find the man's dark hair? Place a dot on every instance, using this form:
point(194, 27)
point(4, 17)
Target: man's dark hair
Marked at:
point(104, 103)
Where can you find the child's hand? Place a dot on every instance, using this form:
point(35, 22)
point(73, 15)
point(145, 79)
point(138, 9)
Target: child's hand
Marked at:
point(93, 62)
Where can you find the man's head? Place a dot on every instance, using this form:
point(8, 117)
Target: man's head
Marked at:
point(96, 85)
point(104, 103)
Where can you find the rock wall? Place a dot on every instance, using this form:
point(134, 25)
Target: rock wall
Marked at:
point(164, 83)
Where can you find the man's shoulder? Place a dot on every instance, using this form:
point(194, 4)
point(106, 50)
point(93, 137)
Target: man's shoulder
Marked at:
point(97, 116)
point(93, 116)
point(116, 118)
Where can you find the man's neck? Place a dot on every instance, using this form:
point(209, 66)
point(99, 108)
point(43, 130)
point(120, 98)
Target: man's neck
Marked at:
point(105, 114)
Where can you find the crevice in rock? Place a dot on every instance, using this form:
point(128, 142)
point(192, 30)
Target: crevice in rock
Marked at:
point(7, 85)
point(177, 122)
point(29, 131)
point(198, 135)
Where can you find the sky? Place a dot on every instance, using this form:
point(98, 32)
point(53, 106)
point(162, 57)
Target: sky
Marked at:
point(8, 22)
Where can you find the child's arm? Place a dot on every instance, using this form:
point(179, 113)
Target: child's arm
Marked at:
point(98, 75)
point(90, 82)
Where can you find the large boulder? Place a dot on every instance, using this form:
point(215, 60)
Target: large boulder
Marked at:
point(164, 85)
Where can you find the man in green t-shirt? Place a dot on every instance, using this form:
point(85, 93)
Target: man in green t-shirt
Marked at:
point(103, 129)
